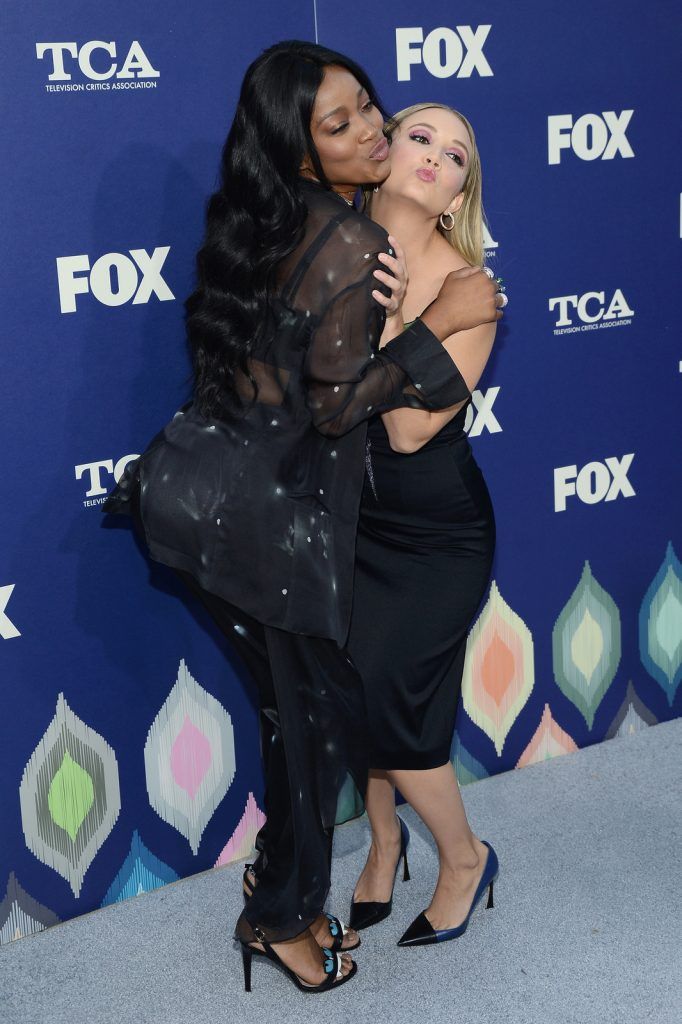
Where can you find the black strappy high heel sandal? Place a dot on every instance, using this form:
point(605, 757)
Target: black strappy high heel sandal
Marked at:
point(337, 929)
point(246, 882)
point(332, 967)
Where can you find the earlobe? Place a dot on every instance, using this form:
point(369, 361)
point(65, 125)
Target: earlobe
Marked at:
point(456, 203)
point(307, 172)
point(306, 168)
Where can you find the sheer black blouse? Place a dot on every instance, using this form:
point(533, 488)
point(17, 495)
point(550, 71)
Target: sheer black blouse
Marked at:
point(262, 509)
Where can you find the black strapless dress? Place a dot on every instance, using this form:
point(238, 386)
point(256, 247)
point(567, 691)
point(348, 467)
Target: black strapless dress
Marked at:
point(425, 545)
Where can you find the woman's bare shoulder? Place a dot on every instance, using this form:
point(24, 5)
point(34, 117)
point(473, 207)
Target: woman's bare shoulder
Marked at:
point(446, 259)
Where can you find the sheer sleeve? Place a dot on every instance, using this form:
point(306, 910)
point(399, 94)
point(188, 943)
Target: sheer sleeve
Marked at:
point(348, 379)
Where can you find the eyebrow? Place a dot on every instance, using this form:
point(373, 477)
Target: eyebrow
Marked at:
point(337, 109)
point(456, 142)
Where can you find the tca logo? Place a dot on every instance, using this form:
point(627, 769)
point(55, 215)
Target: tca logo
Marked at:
point(590, 308)
point(135, 65)
point(113, 278)
point(93, 474)
point(597, 481)
point(488, 240)
point(484, 417)
point(592, 137)
point(7, 628)
point(443, 52)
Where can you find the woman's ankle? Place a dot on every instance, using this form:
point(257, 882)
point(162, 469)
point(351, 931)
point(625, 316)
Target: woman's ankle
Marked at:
point(460, 858)
point(386, 840)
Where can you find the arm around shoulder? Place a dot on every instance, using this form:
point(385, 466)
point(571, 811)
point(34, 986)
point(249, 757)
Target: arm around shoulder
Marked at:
point(410, 429)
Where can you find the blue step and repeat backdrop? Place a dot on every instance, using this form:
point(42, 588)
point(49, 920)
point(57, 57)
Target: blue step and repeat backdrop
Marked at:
point(127, 735)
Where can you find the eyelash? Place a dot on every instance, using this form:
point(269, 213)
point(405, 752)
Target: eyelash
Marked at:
point(456, 157)
point(341, 127)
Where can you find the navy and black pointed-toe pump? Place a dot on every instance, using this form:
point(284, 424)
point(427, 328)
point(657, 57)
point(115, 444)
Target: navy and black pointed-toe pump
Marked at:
point(363, 915)
point(422, 933)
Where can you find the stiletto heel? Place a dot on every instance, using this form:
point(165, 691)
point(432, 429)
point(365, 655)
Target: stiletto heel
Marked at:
point(406, 870)
point(364, 915)
point(247, 954)
point(422, 933)
point(332, 966)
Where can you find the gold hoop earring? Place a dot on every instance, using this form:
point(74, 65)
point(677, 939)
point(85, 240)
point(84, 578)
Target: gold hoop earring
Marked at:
point(447, 227)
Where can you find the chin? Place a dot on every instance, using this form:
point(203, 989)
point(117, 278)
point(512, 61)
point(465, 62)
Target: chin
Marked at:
point(415, 191)
point(380, 172)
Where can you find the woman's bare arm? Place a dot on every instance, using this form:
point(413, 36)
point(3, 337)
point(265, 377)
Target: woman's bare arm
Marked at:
point(410, 429)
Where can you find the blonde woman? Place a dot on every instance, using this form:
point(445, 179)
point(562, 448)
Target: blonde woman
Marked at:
point(425, 545)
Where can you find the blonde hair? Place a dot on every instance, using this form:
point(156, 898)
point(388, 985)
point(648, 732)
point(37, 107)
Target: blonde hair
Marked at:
point(466, 234)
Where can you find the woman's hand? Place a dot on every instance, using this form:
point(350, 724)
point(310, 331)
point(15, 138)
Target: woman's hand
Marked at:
point(396, 280)
point(467, 298)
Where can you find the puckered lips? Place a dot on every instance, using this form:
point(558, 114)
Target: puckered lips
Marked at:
point(380, 151)
point(426, 174)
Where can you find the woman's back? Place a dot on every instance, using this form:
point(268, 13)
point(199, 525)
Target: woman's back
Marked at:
point(322, 312)
point(261, 507)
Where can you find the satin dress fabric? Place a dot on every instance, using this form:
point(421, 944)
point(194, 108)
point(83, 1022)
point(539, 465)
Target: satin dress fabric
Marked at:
point(258, 511)
point(426, 539)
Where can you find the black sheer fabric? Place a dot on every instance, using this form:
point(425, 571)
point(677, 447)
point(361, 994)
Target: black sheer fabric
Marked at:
point(313, 731)
point(262, 509)
point(259, 514)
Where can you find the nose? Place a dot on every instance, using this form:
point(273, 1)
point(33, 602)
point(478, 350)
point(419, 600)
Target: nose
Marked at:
point(371, 132)
point(432, 160)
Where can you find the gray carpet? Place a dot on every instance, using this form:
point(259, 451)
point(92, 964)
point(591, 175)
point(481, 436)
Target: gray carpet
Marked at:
point(586, 925)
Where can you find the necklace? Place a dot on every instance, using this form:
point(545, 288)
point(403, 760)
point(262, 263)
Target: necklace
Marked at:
point(350, 202)
point(343, 195)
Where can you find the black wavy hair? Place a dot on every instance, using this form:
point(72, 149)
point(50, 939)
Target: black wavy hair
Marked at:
point(256, 217)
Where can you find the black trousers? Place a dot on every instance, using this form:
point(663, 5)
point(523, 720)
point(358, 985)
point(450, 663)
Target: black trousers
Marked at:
point(313, 736)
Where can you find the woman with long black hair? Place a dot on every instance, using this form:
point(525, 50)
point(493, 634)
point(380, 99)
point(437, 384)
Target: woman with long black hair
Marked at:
point(251, 492)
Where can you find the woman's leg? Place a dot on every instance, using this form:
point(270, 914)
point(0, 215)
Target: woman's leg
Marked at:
point(278, 897)
point(434, 794)
point(322, 725)
point(375, 884)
